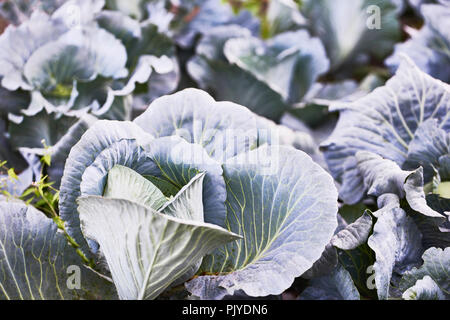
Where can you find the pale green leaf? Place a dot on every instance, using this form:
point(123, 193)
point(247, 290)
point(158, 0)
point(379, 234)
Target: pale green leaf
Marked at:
point(125, 183)
point(136, 242)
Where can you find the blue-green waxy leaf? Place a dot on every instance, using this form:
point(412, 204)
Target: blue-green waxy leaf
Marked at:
point(213, 41)
point(148, 50)
point(353, 234)
point(336, 286)
point(7, 152)
point(136, 240)
point(120, 25)
point(16, 47)
point(12, 101)
point(359, 263)
point(43, 129)
point(415, 195)
point(224, 129)
point(189, 20)
point(76, 55)
point(196, 20)
point(349, 29)
point(347, 237)
point(212, 71)
point(50, 133)
point(381, 176)
point(60, 48)
point(87, 59)
point(436, 265)
point(173, 160)
point(286, 215)
point(266, 76)
point(435, 233)
point(289, 63)
point(428, 47)
point(425, 289)
point(230, 83)
point(396, 241)
point(105, 145)
point(384, 123)
point(327, 262)
point(429, 144)
point(37, 262)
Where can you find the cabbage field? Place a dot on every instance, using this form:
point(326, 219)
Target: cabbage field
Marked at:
point(225, 149)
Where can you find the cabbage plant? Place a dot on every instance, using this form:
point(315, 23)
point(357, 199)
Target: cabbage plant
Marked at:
point(184, 20)
point(73, 65)
point(429, 47)
point(266, 76)
point(392, 145)
point(180, 171)
point(208, 149)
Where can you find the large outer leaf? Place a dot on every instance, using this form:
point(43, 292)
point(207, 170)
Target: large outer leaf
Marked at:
point(286, 214)
point(210, 69)
point(289, 63)
point(36, 261)
point(384, 122)
point(224, 129)
point(146, 251)
point(110, 142)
